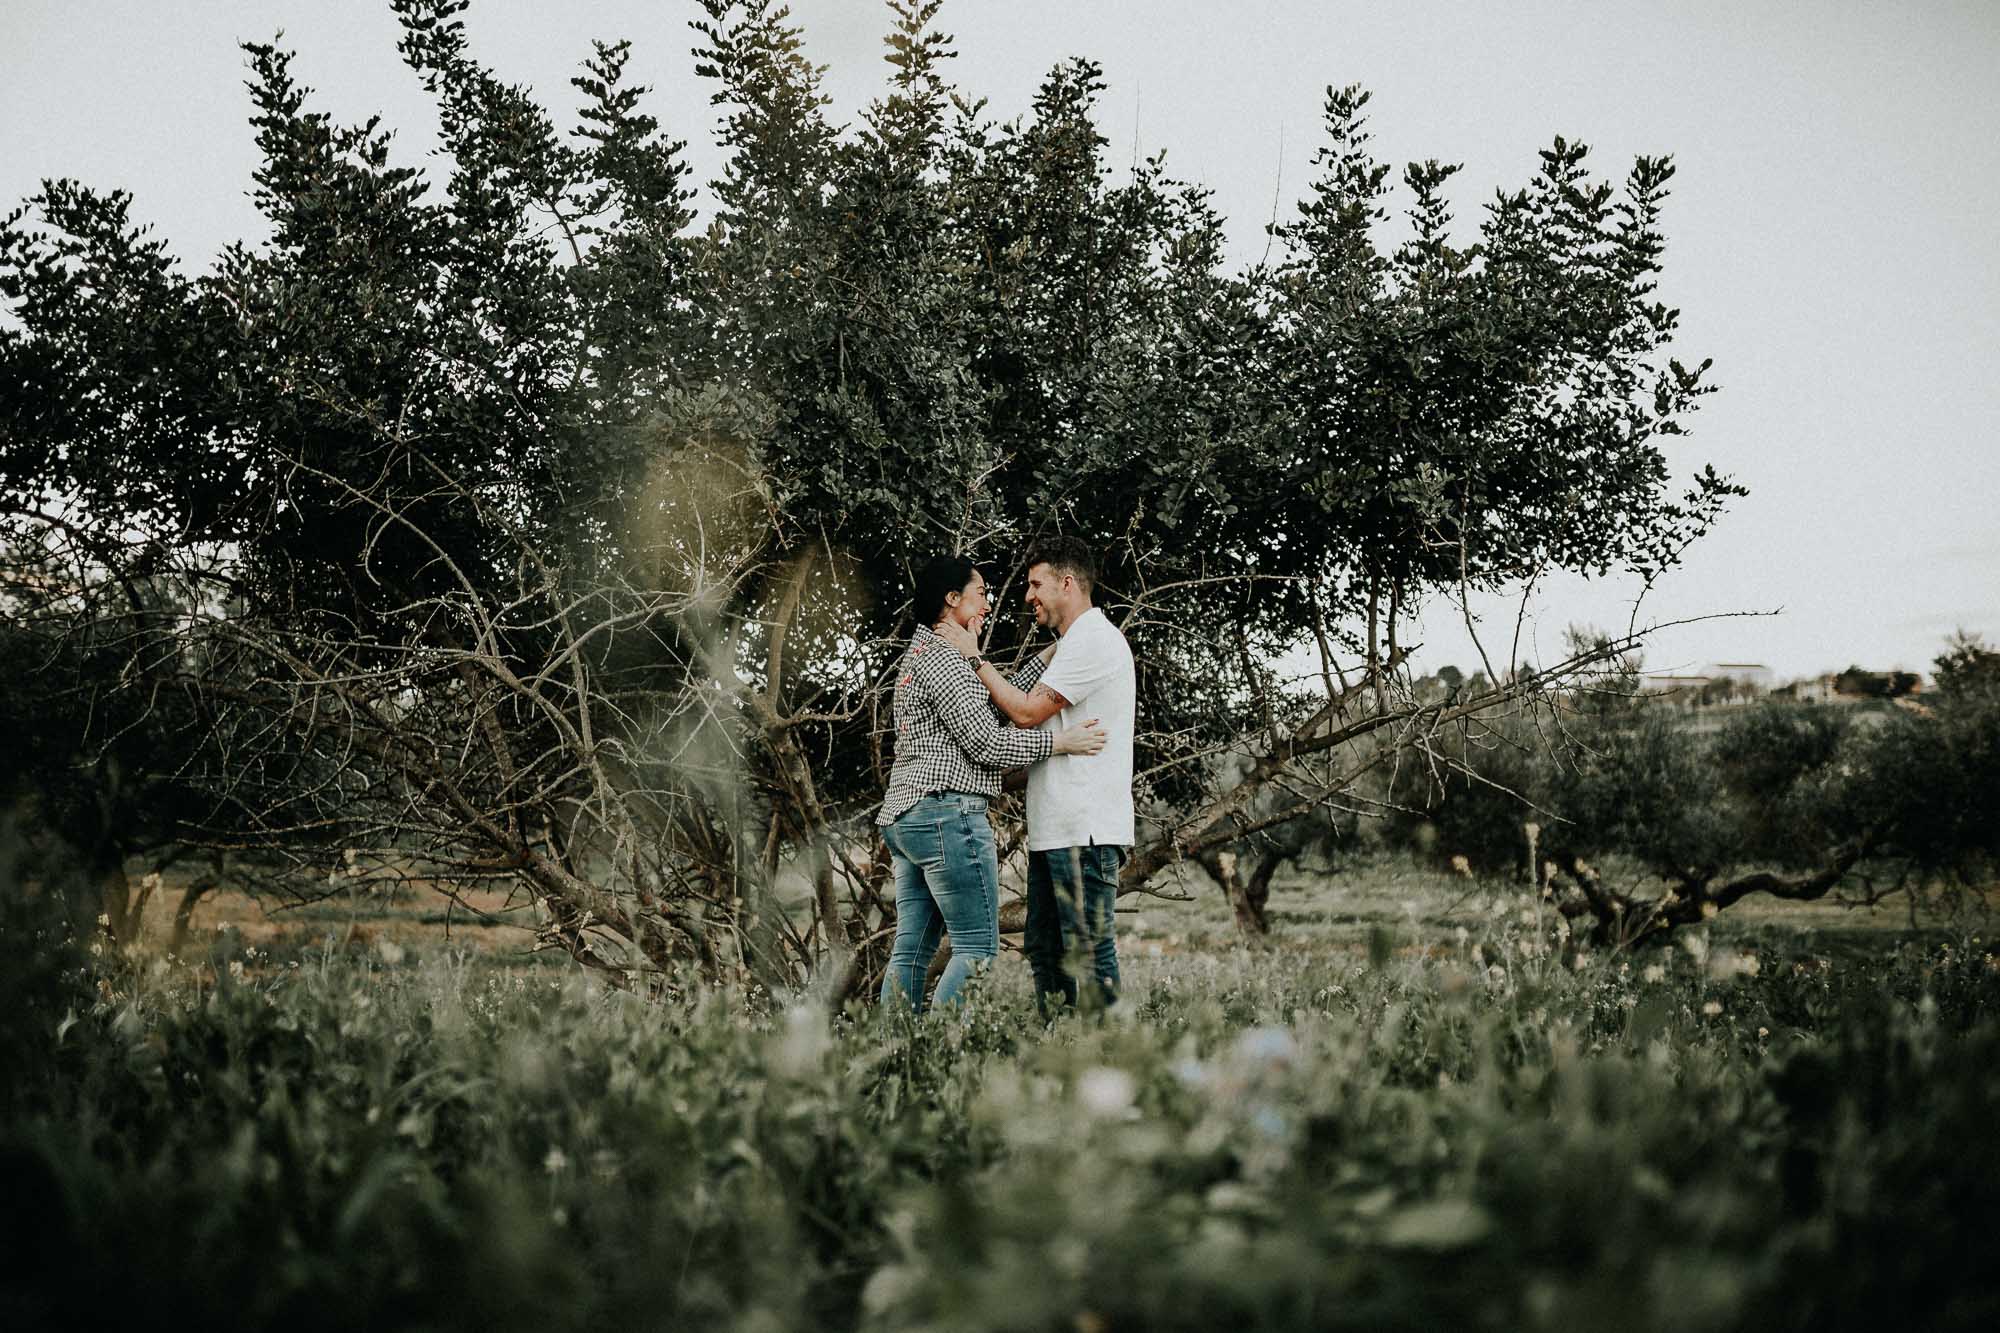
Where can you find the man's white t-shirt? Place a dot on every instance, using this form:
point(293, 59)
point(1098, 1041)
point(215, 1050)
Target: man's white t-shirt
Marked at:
point(1075, 800)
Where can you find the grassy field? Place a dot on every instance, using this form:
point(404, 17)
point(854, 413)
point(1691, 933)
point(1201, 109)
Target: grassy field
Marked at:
point(1415, 1106)
point(1310, 909)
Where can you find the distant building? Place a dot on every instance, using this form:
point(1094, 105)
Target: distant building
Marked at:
point(1753, 676)
point(1683, 690)
point(1717, 683)
point(1811, 690)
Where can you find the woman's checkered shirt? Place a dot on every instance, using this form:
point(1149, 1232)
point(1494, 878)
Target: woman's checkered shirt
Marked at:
point(949, 736)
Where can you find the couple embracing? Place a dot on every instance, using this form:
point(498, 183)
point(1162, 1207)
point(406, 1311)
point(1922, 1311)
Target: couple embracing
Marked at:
point(1068, 719)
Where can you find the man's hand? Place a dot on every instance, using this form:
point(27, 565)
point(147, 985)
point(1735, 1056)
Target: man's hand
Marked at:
point(959, 637)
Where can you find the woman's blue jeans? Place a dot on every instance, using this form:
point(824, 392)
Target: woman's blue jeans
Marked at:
point(947, 883)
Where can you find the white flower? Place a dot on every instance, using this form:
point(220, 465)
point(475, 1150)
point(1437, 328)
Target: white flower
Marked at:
point(804, 1044)
point(1653, 974)
point(1712, 1008)
point(1105, 1092)
point(556, 1162)
point(1725, 964)
point(1266, 1046)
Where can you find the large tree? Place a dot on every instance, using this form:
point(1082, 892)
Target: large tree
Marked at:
point(565, 537)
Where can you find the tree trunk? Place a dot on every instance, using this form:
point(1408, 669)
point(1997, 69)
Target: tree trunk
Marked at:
point(113, 892)
point(197, 888)
point(1248, 904)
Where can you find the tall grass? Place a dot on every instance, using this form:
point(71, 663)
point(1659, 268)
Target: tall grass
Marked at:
point(1490, 1132)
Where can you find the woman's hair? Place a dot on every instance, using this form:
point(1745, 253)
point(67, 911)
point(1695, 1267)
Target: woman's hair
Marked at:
point(939, 579)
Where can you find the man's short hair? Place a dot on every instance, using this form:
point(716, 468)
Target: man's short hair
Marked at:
point(1066, 555)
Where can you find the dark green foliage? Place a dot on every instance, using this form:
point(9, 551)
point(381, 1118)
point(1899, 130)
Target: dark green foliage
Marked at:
point(1774, 764)
point(1876, 684)
point(1967, 667)
point(1925, 786)
point(1487, 791)
point(1894, 798)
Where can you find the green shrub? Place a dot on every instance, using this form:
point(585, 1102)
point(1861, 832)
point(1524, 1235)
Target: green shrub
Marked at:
point(1497, 1131)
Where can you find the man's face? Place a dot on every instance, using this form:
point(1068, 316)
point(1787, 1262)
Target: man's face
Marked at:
point(1045, 591)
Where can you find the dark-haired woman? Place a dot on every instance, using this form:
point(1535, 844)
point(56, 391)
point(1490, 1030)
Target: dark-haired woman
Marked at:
point(951, 749)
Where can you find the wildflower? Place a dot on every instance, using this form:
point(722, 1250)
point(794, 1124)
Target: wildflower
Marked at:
point(1266, 1046)
point(392, 952)
point(804, 1044)
point(1763, 1033)
point(1712, 1008)
point(1724, 964)
point(236, 968)
point(104, 918)
point(556, 1162)
point(1266, 1121)
point(1105, 1092)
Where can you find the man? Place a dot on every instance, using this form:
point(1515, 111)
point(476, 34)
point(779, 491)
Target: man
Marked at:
point(1080, 825)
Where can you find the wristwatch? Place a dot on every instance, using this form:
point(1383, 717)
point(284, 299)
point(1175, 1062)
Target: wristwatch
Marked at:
point(977, 662)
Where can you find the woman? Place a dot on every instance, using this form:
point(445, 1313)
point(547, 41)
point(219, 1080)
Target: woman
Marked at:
point(950, 751)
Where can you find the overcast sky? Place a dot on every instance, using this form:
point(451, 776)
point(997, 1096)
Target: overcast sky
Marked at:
point(1832, 235)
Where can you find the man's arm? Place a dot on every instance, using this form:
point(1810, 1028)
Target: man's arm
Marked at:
point(1028, 707)
point(1024, 708)
point(972, 724)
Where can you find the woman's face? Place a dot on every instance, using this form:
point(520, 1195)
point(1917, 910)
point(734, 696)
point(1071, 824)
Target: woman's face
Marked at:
point(968, 606)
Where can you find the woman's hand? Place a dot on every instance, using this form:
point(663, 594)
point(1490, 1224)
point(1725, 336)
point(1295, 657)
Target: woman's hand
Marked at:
point(1083, 738)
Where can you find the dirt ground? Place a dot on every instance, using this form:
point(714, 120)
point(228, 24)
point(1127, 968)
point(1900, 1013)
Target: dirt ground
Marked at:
point(412, 917)
point(1308, 909)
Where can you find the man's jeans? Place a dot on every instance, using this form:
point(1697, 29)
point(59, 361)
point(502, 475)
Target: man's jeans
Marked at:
point(947, 882)
point(1072, 896)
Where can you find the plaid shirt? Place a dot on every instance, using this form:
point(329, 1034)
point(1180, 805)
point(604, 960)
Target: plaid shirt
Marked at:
point(949, 734)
